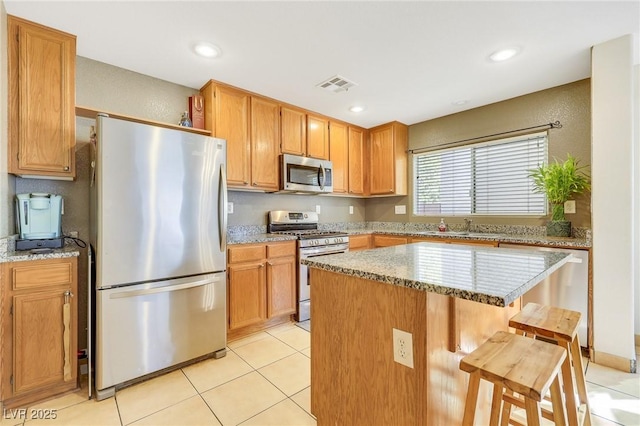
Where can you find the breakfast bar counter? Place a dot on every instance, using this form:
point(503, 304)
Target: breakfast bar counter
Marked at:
point(449, 298)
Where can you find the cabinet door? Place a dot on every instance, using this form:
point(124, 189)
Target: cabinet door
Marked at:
point(44, 340)
point(339, 156)
point(41, 100)
point(382, 161)
point(265, 138)
point(388, 240)
point(359, 242)
point(317, 137)
point(232, 124)
point(293, 124)
point(246, 294)
point(281, 286)
point(356, 161)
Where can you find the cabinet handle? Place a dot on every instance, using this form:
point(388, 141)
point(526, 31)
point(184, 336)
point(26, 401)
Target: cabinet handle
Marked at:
point(269, 263)
point(254, 184)
point(66, 168)
point(66, 323)
point(262, 265)
point(245, 183)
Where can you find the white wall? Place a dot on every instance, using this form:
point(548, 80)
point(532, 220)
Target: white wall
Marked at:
point(613, 221)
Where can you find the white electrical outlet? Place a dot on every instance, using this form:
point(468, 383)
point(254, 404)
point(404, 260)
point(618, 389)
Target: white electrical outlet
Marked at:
point(230, 207)
point(350, 209)
point(318, 208)
point(570, 206)
point(401, 209)
point(403, 347)
point(73, 234)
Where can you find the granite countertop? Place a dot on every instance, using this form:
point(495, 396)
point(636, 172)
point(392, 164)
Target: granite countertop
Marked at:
point(490, 275)
point(259, 238)
point(18, 256)
point(539, 240)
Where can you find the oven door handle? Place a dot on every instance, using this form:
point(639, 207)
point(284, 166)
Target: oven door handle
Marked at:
point(302, 255)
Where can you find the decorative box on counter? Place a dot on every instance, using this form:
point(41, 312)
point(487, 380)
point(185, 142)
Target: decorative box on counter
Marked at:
point(196, 111)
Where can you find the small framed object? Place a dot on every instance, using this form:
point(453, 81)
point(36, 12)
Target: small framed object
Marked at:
point(196, 111)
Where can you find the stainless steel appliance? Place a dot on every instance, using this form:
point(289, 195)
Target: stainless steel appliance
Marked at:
point(158, 228)
point(38, 220)
point(304, 174)
point(567, 288)
point(312, 242)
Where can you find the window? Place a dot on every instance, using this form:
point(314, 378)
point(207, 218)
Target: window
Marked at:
point(490, 178)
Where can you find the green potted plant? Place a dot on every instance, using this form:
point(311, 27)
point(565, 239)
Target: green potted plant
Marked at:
point(559, 181)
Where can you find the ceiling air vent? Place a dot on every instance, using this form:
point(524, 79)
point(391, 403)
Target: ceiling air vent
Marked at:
point(336, 84)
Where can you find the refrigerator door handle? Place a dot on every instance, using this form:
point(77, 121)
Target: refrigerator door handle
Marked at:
point(170, 287)
point(222, 208)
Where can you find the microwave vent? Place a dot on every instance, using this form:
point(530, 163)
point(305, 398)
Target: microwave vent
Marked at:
point(336, 84)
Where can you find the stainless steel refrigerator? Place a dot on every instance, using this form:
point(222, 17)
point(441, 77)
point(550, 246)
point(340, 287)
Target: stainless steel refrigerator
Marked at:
point(158, 230)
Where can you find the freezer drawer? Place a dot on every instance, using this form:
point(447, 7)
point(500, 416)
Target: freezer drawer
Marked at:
point(145, 328)
point(566, 288)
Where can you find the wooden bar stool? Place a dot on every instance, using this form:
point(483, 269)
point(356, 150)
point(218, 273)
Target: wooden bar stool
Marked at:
point(561, 326)
point(527, 366)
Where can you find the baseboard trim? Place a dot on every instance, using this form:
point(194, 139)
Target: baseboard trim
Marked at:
point(615, 361)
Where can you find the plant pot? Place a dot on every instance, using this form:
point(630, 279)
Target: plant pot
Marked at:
point(559, 228)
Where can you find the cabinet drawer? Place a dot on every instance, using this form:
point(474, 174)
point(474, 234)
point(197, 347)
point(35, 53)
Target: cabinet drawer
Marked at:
point(40, 275)
point(246, 253)
point(281, 249)
point(359, 242)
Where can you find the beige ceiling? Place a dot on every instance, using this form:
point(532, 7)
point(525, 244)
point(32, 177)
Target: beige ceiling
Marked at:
point(411, 60)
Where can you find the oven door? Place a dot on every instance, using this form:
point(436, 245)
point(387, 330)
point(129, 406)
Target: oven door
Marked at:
point(304, 284)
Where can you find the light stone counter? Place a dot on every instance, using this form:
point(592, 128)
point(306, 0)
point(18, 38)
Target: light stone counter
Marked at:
point(489, 275)
point(258, 238)
point(9, 254)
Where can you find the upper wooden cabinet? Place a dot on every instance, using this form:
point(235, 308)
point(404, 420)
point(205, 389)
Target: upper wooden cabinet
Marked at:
point(41, 71)
point(265, 138)
point(293, 126)
point(339, 156)
point(388, 159)
point(251, 126)
point(356, 148)
point(317, 137)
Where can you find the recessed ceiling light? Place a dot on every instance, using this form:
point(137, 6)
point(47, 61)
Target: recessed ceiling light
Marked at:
point(460, 102)
point(207, 50)
point(356, 108)
point(504, 54)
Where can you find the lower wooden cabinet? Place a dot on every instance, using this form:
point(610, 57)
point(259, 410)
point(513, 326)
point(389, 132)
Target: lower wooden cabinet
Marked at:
point(388, 240)
point(40, 331)
point(454, 241)
point(261, 285)
point(360, 242)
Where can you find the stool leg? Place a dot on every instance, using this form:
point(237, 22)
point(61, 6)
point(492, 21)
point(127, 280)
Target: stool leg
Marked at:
point(578, 368)
point(533, 412)
point(472, 399)
point(559, 415)
point(506, 410)
point(496, 405)
point(567, 383)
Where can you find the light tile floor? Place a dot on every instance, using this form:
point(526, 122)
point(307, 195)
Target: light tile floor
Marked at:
point(264, 380)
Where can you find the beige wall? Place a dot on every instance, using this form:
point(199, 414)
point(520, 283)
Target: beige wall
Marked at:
point(570, 104)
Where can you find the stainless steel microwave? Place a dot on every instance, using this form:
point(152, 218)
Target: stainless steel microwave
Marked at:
point(303, 174)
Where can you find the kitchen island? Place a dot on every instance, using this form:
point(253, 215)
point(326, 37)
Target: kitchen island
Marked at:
point(450, 298)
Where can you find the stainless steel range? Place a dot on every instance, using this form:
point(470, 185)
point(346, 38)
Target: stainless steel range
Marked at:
point(312, 242)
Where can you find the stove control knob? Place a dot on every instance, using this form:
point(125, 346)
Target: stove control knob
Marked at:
point(339, 239)
point(326, 241)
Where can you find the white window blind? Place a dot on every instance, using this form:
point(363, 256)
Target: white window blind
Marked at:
point(491, 178)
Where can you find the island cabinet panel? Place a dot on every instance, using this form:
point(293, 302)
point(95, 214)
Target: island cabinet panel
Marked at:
point(40, 331)
point(339, 156)
point(360, 242)
point(354, 378)
point(388, 240)
point(41, 66)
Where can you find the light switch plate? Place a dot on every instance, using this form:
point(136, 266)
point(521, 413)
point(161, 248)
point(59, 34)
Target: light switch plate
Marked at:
point(230, 207)
point(318, 209)
point(350, 209)
point(570, 206)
